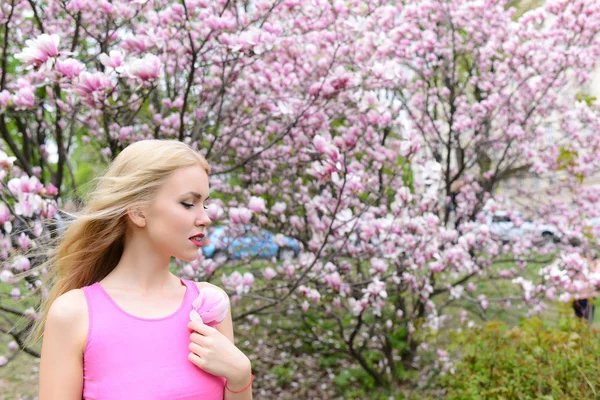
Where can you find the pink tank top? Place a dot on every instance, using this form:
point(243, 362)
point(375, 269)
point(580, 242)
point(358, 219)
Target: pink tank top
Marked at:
point(129, 358)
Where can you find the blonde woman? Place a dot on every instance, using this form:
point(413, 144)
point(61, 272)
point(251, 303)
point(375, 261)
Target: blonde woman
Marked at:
point(116, 321)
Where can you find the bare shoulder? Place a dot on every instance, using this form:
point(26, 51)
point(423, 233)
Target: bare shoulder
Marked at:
point(69, 306)
point(65, 337)
point(69, 314)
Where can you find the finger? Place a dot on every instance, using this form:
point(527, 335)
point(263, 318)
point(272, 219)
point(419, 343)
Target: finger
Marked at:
point(200, 327)
point(197, 338)
point(196, 360)
point(196, 349)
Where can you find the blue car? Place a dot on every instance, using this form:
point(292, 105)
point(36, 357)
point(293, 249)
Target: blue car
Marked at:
point(249, 244)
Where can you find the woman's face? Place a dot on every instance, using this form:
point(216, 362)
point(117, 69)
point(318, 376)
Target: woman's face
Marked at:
point(178, 213)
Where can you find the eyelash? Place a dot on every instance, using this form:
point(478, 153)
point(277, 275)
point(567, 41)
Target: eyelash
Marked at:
point(188, 205)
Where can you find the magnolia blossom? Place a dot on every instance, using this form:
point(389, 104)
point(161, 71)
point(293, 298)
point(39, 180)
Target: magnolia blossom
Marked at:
point(28, 205)
point(238, 282)
point(39, 50)
point(4, 98)
point(240, 215)
point(70, 67)
point(269, 273)
point(15, 293)
point(24, 185)
point(257, 204)
point(5, 215)
point(211, 306)
point(6, 276)
point(144, 69)
point(24, 242)
point(21, 264)
point(214, 211)
point(113, 60)
point(24, 98)
point(93, 87)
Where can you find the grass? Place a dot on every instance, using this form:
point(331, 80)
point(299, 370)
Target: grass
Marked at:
point(19, 378)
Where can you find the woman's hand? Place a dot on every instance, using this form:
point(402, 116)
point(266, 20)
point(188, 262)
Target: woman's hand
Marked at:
point(216, 354)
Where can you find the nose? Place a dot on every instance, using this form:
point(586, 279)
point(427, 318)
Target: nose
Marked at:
point(202, 219)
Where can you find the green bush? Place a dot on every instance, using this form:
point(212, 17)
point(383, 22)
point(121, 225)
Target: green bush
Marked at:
point(531, 361)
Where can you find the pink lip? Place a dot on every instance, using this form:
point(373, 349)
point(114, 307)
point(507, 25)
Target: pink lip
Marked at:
point(196, 242)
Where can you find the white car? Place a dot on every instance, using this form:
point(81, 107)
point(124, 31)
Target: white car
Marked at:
point(509, 227)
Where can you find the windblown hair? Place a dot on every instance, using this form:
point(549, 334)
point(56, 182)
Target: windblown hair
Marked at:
point(92, 244)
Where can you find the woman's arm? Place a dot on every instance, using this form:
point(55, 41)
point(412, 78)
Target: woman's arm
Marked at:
point(239, 379)
point(65, 335)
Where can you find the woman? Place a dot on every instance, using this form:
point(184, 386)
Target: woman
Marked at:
point(116, 322)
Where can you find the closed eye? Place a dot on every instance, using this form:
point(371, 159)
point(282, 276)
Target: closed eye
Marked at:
point(190, 205)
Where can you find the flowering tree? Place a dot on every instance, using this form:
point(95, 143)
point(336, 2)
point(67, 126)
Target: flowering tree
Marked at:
point(375, 133)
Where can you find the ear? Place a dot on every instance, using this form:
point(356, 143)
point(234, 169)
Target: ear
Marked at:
point(136, 215)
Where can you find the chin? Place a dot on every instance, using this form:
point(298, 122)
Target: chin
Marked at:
point(188, 257)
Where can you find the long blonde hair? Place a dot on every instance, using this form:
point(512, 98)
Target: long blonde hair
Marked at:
point(92, 244)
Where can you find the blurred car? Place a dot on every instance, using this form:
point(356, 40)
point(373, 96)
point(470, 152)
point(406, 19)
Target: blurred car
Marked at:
point(259, 243)
point(504, 225)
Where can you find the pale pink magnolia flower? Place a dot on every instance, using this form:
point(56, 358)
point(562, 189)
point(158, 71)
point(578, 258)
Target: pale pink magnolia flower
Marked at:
point(214, 211)
point(145, 69)
point(25, 184)
point(7, 277)
point(378, 265)
point(483, 302)
point(4, 213)
point(22, 264)
point(30, 313)
point(39, 50)
point(24, 98)
point(12, 346)
point(257, 204)
point(24, 242)
point(240, 215)
point(38, 228)
point(113, 60)
point(4, 98)
point(305, 306)
point(334, 281)
point(314, 296)
point(278, 208)
point(51, 190)
point(5, 160)
point(93, 87)
point(210, 307)
point(28, 205)
point(337, 302)
point(269, 273)
point(3, 361)
point(15, 293)
point(70, 67)
point(235, 281)
point(247, 279)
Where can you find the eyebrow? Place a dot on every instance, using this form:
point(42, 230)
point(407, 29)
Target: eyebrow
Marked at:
point(197, 195)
